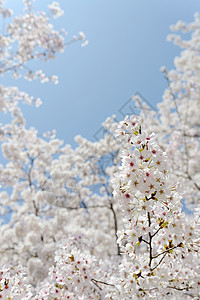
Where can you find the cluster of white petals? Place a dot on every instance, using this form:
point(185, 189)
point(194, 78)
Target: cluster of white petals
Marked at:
point(13, 284)
point(56, 10)
point(31, 36)
point(72, 277)
point(160, 243)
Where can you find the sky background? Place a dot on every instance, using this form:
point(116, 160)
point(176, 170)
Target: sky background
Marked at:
point(127, 46)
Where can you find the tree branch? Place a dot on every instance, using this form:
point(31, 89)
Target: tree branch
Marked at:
point(150, 241)
point(159, 262)
point(95, 281)
point(116, 227)
point(157, 229)
point(166, 251)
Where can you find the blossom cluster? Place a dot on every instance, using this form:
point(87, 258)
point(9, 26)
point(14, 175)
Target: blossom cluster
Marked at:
point(72, 276)
point(159, 241)
point(13, 284)
point(29, 37)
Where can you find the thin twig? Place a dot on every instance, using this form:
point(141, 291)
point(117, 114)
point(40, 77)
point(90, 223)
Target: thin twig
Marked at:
point(99, 281)
point(166, 251)
point(159, 262)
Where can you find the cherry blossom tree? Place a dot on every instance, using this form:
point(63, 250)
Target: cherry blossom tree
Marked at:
point(103, 220)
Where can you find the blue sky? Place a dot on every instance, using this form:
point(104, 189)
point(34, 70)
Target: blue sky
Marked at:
point(127, 46)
